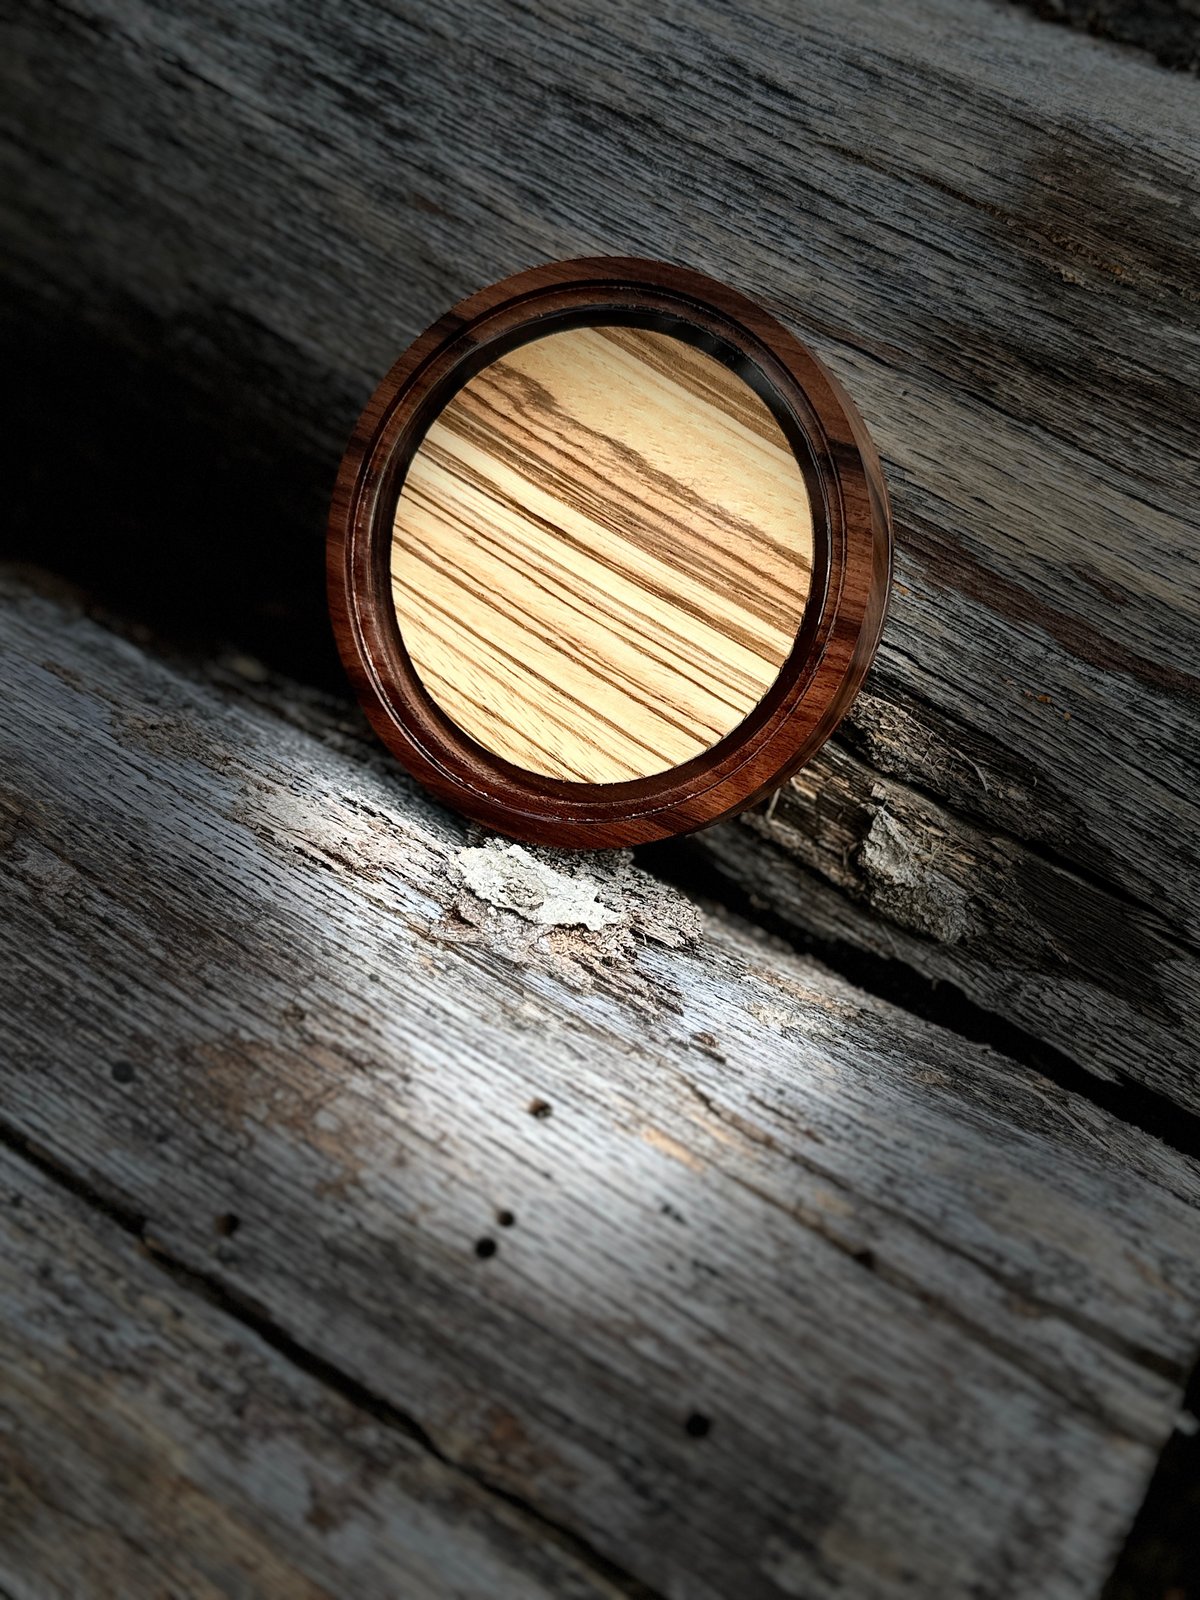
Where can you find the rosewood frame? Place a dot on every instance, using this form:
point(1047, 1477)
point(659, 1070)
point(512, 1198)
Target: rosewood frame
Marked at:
point(843, 617)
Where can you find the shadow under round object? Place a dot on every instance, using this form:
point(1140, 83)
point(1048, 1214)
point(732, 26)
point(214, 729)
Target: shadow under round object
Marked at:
point(609, 554)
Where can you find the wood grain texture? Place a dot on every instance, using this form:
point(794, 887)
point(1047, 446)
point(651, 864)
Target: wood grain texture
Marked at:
point(858, 856)
point(838, 631)
point(986, 227)
point(154, 1444)
point(602, 553)
point(935, 1309)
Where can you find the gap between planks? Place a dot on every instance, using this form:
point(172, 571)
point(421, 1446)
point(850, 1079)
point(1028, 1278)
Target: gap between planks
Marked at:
point(258, 1321)
point(684, 863)
point(230, 752)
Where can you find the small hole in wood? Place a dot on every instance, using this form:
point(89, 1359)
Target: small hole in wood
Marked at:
point(865, 1258)
point(505, 1219)
point(697, 1425)
point(539, 1108)
point(123, 1072)
point(227, 1224)
point(485, 1248)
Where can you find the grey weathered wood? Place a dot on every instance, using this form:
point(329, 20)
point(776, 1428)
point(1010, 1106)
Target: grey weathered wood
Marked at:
point(150, 1444)
point(1169, 29)
point(936, 1309)
point(987, 227)
point(852, 854)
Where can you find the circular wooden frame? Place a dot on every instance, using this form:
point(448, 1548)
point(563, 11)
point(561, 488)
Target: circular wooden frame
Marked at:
point(843, 616)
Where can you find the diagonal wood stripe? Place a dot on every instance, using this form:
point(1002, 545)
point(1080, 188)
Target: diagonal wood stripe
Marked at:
point(601, 554)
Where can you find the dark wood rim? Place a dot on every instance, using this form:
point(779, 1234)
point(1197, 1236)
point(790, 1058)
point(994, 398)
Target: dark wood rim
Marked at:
point(851, 557)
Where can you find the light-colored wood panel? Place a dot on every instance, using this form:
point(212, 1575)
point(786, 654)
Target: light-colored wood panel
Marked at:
point(602, 553)
point(936, 1309)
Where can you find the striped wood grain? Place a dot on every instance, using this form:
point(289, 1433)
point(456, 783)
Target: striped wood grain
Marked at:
point(601, 554)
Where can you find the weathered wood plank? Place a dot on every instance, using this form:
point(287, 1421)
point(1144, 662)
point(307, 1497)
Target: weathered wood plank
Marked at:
point(854, 855)
point(935, 1309)
point(1166, 28)
point(987, 228)
point(150, 1444)
point(514, 590)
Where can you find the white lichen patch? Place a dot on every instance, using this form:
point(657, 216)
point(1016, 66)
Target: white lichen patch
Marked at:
point(509, 877)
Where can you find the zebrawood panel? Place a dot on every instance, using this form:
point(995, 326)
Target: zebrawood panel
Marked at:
point(602, 554)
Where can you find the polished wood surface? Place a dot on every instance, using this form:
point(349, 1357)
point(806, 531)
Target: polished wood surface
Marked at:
point(602, 553)
point(837, 627)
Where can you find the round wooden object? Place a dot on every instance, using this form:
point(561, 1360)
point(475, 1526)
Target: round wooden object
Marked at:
point(609, 554)
point(601, 553)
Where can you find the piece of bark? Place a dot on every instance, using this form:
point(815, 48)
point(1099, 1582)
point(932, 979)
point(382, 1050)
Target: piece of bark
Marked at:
point(745, 1280)
point(988, 229)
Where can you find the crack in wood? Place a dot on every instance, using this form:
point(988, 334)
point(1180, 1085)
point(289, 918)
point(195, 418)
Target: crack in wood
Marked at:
point(259, 1321)
point(1079, 1396)
point(694, 870)
point(206, 1053)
